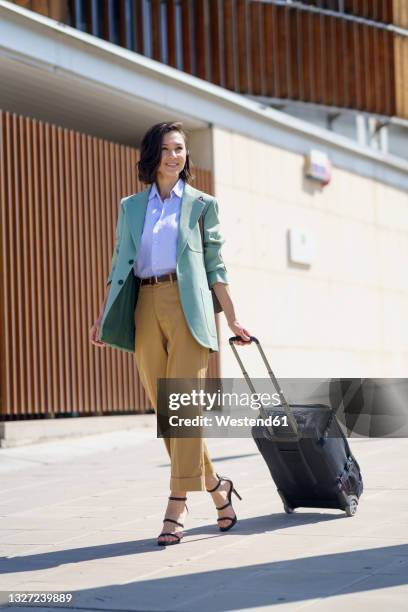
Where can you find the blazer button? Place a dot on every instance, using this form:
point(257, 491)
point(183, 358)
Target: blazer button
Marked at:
point(131, 261)
point(120, 282)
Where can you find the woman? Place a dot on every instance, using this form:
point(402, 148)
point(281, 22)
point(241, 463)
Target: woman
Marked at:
point(160, 306)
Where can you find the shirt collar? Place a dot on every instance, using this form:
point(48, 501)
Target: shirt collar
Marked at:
point(177, 190)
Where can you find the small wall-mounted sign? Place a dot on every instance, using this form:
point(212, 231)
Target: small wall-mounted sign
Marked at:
point(301, 246)
point(318, 167)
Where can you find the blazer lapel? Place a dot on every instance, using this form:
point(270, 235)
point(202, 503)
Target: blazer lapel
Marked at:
point(136, 212)
point(191, 208)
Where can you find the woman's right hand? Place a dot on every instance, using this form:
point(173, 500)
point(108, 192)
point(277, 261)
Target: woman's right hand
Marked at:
point(94, 335)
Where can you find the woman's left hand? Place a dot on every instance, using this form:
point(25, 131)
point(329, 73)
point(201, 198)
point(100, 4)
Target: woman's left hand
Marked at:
point(238, 330)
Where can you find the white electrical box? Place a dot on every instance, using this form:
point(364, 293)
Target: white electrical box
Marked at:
point(318, 167)
point(301, 246)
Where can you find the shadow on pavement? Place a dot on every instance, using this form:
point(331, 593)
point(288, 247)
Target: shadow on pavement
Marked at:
point(250, 586)
point(250, 526)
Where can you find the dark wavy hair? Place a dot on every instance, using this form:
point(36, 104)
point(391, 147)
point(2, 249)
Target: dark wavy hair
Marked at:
point(150, 152)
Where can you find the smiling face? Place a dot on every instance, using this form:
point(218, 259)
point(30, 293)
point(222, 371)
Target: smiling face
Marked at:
point(173, 156)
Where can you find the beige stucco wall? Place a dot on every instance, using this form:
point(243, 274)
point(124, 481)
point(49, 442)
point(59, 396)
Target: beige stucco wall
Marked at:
point(347, 314)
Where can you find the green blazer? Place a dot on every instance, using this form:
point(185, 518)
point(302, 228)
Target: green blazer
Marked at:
point(197, 270)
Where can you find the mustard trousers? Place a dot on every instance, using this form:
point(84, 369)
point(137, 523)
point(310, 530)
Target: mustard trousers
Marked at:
point(165, 348)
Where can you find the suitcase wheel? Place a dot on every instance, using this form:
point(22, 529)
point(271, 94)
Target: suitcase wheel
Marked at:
point(288, 509)
point(351, 507)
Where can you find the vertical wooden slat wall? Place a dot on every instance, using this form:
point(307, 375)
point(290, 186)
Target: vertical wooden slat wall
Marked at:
point(59, 197)
point(264, 49)
point(400, 50)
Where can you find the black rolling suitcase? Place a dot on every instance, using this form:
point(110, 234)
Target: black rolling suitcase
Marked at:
point(310, 462)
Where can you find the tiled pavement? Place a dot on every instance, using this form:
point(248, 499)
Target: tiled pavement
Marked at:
point(82, 516)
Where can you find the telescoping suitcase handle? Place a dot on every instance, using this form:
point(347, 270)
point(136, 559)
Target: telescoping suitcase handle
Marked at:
point(286, 407)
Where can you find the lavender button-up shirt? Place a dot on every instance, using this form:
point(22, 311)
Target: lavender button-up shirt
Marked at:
point(158, 243)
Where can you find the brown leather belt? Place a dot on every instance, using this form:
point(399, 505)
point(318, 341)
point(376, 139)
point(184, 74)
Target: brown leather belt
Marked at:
point(153, 280)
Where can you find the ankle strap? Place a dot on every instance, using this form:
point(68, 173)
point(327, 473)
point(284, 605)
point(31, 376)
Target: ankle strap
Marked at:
point(215, 488)
point(181, 499)
point(220, 478)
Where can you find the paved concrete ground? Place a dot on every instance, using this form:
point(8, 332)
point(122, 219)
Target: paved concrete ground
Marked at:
point(82, 516)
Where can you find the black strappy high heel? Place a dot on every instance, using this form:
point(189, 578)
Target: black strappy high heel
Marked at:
point(175, 535)
point(232, 490)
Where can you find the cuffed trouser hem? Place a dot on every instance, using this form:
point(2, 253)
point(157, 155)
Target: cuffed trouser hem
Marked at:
point(195, 483)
